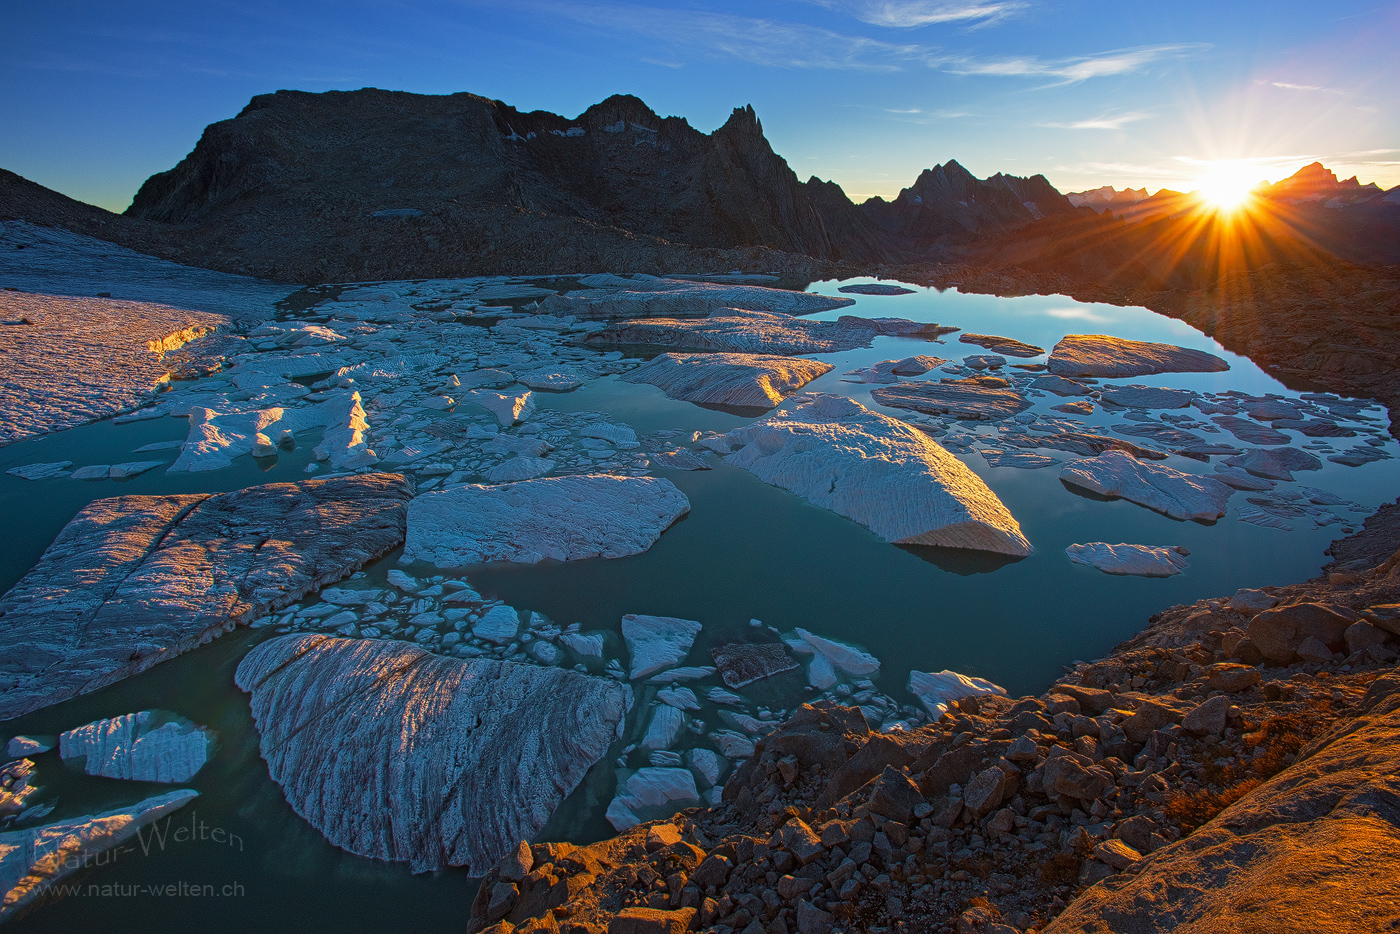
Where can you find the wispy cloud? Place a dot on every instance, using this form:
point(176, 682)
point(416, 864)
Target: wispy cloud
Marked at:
point(759, 41)
point(1067, 70)
point(783, 44)
point(910, 14)
point(1103, 122)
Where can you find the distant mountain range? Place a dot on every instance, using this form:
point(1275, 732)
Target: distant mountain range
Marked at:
point(1312, 184)
point(376, 184)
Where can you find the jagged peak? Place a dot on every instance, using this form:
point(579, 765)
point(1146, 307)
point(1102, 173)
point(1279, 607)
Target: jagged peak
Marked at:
point(743, 120)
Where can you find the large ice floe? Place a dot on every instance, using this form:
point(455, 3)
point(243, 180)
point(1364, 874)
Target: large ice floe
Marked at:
point(969, 398)
point(728, 379)
point(135, 580)
point(1177, 494)
point(657, 642)
point(610, 296)
point(744, 331)
point(1131, 560)
point(34, 858)
point(559, 518)
point(1114, 357)
point(889, 476)
point(74, 360)
point(398, 754)
point(149, 746)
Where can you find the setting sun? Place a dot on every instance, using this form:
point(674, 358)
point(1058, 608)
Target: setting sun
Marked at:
point(1227, 186)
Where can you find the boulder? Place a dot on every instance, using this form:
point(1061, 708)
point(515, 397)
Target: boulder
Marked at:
point(1067, 773)
point(652, 921)
point(135, 580)
point(959, 398)
point(799, 840)
point(32, 860)
point(984, 361)
point(1131, 560)
point(1177, 494)
point(1117, 854)
point(150, 746)
point(1208, 717)
point(657, 642)
point(731, 379)
point(1099, 355)
point(1232, 677)
point(559, 518)
point(985, 791)
point(1278, 632)
point(394, 753)
point(892, 478)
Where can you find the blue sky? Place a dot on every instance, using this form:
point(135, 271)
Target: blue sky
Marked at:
point(94, 97)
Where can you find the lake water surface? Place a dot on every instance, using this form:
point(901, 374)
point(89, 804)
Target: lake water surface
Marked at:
point(746, 551)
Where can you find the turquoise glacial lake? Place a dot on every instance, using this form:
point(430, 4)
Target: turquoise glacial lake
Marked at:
point(746, 551)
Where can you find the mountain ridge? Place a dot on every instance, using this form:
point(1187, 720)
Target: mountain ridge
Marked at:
point(373, 184)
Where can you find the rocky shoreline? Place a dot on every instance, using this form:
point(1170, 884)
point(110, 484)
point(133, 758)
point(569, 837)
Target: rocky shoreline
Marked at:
point(1155, 789)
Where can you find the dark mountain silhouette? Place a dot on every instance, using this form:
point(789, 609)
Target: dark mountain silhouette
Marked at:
point(460, 169)
point(948, 204)
point(374, 184)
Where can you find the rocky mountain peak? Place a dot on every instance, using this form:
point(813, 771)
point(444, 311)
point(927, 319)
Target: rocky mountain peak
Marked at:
point(620, 108)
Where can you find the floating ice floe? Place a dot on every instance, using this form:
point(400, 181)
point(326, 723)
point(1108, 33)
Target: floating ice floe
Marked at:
point(393, 753)
point(559, 518)
point(657, 642)
point(149, 746)
point(1099, 355)
point(1131, 560)
point(886, 475)
point(732, 379)
point(937, 691)
point(1177, 494)
point(651, 793)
